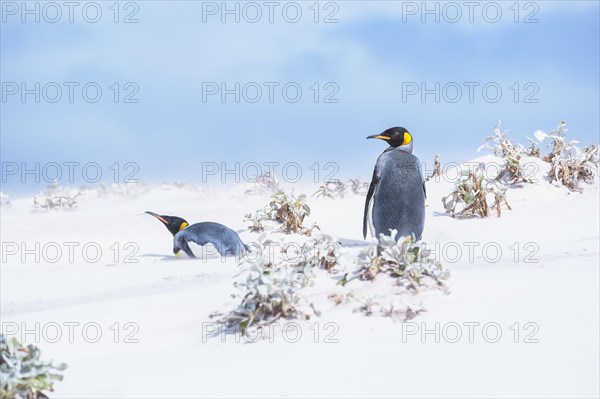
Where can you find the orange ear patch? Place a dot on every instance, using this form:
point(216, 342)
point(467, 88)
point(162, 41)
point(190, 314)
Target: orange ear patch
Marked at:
point(407, 138)
point(183, 226)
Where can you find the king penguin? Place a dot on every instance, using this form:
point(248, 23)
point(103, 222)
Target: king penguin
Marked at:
point(225, 240)
point(396, 197)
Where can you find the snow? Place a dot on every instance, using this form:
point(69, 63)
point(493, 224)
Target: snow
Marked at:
point(546, 274)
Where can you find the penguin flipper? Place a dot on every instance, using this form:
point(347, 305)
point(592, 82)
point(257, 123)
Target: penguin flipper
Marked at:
point(424, 180)
point(181, 244)
point(186, 249)
point(374, 182)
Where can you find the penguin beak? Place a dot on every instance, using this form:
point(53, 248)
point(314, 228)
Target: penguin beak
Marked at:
point(379, 136)
point(158, 217)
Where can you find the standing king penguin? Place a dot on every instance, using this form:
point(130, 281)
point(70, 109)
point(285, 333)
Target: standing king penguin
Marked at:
point(222, 237)
point(396, 197)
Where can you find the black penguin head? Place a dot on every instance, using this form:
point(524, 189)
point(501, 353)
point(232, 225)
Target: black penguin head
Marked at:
point(397, 137)
point(173, 223)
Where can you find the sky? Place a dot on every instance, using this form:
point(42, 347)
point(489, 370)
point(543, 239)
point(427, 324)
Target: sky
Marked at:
point(188, 90)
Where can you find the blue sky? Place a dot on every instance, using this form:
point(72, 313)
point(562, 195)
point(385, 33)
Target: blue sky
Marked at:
point(370, 56)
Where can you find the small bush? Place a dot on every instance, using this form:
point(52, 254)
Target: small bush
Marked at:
point(265, 183)
point(269, 293)
point(338, 189)
point(358, 186)
point(331, 189)
point(437, 168)
point(287, 210)
point(132, 189)
point(410, 263)
point(569, 165)
point(271, 290)
point(533, 150)
point(256, 220)
point(512, 155)
point(474, 192)
point(395, 309)
point(412, 267)
point(55, 202)
point(22, 373)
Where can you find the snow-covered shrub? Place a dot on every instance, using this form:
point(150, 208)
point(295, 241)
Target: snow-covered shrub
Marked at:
point(358, 186)
point(269, 293)
point(326, 255)
point(271, 290)
point(411, 263)
point(437, 168)
point(512, 155)
point(337, 189)
point(287, 210)
point(396, 309)
point(266, 183)
point(256, 219)
point(558, 143)
point(569, 165)
point(331, 189)
point(474, 192)
point(56, 198)
point(22, 373)
point(128, 190)
point(56, 203)
point(575, 167)
point(533, 150)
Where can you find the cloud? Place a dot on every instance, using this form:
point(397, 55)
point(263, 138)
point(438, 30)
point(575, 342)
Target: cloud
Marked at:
point(369, 54)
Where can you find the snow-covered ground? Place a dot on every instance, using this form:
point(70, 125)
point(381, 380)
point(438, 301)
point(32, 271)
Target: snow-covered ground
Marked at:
point(523, 307)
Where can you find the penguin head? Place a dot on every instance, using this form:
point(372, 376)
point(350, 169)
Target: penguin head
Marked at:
point(396, 137)
point(173, 223)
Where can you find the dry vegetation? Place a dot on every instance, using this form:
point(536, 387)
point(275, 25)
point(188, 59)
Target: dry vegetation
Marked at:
point(287, 210)
point(569, 165)
point(437, 168)
point(22, 374)
point(336, 188)
point(512, 155)
point(410, 263)
point(56, 198)
point(265, 184)
point(476, 195)
point(273, 287)
point(411, 267)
